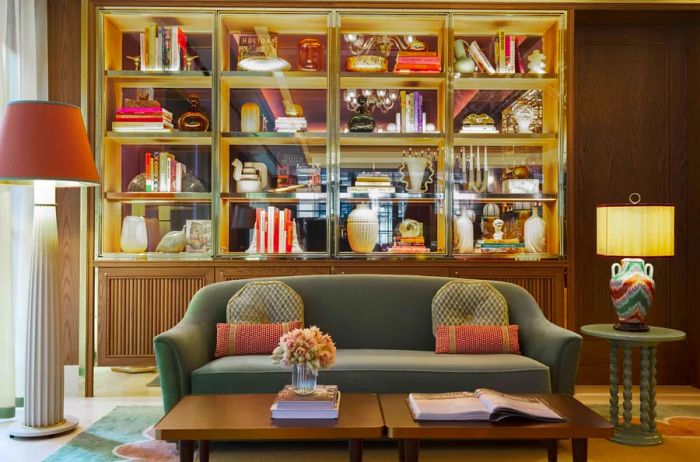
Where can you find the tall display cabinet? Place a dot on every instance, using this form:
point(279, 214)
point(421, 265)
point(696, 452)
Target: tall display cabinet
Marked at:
point(281, 183)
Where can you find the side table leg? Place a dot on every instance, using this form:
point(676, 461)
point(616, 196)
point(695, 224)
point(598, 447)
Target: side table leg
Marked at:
point(551, 450)
point(355, 450)
point(579, 447)
point(402, 451)
point(614, 387)
point(627, 387)
point(652, 389)
point(644, 385)
point(203, 450)
point(186, 451)
point(411, 448)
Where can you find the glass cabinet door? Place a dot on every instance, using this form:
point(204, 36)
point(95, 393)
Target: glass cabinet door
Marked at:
point(155, 126)
point(274, 181)
point(507, 142)
point(391, 131)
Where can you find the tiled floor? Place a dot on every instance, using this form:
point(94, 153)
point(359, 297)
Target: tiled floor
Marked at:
point(89, 410)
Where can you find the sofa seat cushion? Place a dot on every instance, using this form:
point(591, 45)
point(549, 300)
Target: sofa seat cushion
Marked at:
point(381, 371)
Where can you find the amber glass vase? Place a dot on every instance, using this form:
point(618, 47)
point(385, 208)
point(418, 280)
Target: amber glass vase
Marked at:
point(310, 55)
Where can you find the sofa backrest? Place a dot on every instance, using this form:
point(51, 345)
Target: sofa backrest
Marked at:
point(363, 311)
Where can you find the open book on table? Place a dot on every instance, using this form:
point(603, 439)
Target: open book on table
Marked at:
point(483, 404)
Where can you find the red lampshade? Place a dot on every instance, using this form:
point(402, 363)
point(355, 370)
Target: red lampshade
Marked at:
point(42, 140)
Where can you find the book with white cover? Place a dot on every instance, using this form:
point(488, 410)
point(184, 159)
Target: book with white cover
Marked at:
point(482, 405)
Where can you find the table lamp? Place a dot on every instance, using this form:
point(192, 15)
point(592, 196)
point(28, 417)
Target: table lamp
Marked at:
point(634, 230)
point(45, 144)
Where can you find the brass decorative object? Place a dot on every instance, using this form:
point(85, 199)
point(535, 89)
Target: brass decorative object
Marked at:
point(193, 120)
point(137, 62)
point(189, 61)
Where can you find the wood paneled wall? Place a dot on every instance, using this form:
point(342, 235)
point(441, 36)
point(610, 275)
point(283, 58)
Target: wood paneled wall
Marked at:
point(64, 85)
point(629, 119)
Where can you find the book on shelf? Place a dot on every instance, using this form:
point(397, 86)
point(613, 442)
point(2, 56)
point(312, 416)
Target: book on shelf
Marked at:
point(417, 61)
point(163, 173)
point(505, 53)
point(290, 124)
point(411, 116)
point(371, 189)
point(163, 48)
point(480, 58)
point(254, 45)
point(274, 232)
point(323, 403)
point(482, 405)
point(142, 119)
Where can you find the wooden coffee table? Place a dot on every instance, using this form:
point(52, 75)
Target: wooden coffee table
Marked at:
point(204, 418)
point(581, 424)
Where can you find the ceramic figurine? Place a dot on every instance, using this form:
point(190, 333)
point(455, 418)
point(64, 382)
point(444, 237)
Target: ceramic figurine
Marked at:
point(361, 122)
point(363, 229)
point(535, 233)
point(464, 232)
point(172, 242)
point(524, 115)
point(498, 229)
point(536, 62)
point(249, 176)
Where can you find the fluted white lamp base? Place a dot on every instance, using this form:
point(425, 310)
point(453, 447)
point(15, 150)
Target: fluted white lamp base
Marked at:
point(43, 392)
point(19, 430)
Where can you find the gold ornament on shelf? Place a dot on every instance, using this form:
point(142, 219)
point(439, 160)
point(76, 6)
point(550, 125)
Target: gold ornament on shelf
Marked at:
point(193, 120)
point(137, 62)
point(189, 61)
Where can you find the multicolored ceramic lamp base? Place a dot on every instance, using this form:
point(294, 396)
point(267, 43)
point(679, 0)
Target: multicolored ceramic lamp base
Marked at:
point(632, 291)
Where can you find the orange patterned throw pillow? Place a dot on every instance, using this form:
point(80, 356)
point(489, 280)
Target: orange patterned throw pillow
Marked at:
point(250, 339)
point(477, 339)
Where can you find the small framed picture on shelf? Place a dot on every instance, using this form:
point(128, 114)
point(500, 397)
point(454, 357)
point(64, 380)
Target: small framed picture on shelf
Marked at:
point(198, 235)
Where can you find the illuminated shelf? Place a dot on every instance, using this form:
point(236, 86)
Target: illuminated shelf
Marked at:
point(159, 197)
point(252, 79)
point(391, 80)
point(157, 256)
point(274, 198)
point(391, 197)
point(272, 138)
point(165, 79)
point(172, 137)
point(504, 81)
point(504, 139)
point(499, 197)
point(391, 139)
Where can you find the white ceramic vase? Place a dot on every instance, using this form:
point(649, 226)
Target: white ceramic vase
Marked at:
point(363, 229)
point(535, 233)
point(134, 237)
point(416, 171)
point(464, 233)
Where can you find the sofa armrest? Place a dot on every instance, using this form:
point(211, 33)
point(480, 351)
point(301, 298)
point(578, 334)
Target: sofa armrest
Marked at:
point(555, 347)
point(179, 351)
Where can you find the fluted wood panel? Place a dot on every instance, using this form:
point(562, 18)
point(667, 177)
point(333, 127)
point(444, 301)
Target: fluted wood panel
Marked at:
point(547, 290)
point(248, 272)
point(136, 308)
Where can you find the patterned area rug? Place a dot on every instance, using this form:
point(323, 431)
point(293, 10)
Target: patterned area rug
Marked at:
point(126, 434)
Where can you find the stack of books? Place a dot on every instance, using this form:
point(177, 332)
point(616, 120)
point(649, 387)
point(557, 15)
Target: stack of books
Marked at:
point(322, 404)
point(290, 124)
point(417, 61)
point(163, 48)
point(372, 182)
point(275, 230)
point(499, 246)
point(142, 119)
point(163, 173)
point(411, 118)
point(415, 244)
point(506, 56)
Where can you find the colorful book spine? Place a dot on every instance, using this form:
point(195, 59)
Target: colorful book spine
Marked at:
point(403, 127)
point(142, 51)
point(147, 172)
point(167, 46)
point(173, 174)
point(178, 177)
point(501, 52)
point(156, 172)
point(152, 46)
point(510, 54)
point(290, 230)
point(480, 58)
point(182, 47)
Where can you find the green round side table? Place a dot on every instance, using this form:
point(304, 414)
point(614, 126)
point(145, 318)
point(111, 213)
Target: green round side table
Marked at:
point(626, 433)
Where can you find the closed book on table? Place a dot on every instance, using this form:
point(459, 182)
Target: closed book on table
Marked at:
point(322, 404)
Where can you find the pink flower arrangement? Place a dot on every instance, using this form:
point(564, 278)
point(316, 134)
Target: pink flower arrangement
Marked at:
point(305, 346)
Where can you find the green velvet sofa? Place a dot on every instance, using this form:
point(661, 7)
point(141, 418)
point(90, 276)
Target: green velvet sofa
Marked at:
point(382, 328)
